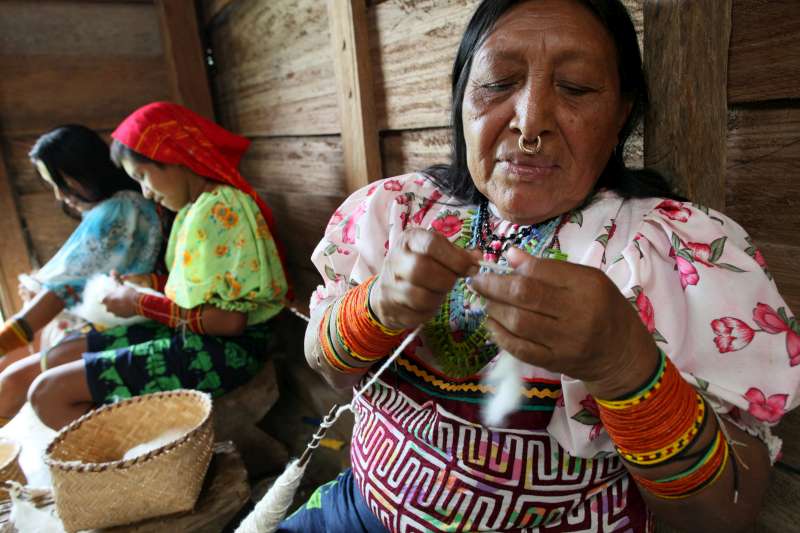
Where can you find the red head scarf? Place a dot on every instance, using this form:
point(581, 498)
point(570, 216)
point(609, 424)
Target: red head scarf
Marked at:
point(173, 135)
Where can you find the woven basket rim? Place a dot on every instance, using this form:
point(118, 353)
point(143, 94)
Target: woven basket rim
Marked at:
point(68, 466)
point(14, 456)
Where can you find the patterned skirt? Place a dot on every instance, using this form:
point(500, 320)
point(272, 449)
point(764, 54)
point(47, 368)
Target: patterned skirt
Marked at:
point(128, 361)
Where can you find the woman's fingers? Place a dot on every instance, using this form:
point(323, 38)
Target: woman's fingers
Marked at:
point(436, 247)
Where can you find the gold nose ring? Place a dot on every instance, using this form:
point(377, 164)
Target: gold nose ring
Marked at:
point(537, 147)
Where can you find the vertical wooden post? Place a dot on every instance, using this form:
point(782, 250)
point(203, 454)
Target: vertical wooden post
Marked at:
point(348, 26)
point(183, 52)
point(14, 258)
point(686, 46)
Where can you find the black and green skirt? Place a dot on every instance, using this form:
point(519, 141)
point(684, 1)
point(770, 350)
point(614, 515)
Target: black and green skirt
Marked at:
point(128, 361)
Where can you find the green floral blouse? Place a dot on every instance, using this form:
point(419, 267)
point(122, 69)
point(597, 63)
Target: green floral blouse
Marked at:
point(221, 252)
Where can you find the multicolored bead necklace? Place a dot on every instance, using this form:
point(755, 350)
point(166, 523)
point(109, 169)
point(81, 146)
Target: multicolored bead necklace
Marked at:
point(458, 334)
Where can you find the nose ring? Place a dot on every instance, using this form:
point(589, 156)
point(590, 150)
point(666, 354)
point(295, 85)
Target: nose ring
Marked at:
point(537, 147)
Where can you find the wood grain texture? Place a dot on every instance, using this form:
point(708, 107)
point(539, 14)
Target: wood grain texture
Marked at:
point(762, 189)
point(789, 431)
point(413, 44)
point(351, 60)
point(274, 69)
point(79, 28)
point(779, 513)
point(38, 93)
point(24, 177)
point(765, 51)
point(295, 165)
point(14, 258)
point(412, 151)
point(687, 122)
point(47, 224)
point(184, 56)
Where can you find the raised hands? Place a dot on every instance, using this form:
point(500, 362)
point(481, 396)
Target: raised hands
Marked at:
point(417, 275)
point(569, 319)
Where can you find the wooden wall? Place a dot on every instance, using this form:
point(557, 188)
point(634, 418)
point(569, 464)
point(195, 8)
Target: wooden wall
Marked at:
point(62, 62)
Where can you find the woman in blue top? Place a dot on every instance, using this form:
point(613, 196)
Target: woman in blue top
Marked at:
point(120, 231)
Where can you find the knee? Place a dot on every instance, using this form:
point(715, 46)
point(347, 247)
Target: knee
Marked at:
point(41, 393)
point(13, 383)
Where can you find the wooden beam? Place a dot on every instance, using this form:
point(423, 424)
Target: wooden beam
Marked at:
point(686, 57)
point(183, 52)
point(14, 259)
point(351, 59)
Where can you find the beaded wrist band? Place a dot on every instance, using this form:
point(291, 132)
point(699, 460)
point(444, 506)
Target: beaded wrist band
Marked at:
point(164, 310)
point(707, 470)
point(356, 329)
point(657, 423)
point(14, 334)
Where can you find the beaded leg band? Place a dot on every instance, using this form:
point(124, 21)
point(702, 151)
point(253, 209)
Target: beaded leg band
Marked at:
point(164, 310)
point(356, 330)
point(14, 334)
point(657, 424)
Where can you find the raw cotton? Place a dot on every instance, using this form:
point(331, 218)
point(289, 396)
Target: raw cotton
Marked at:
point(505, 377)
point(27, 518)
point(163, 439)
point(92, 309)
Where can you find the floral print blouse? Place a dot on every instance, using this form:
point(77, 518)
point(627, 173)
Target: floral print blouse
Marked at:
point(221, 252)
point(700, 286)
point(122, 233)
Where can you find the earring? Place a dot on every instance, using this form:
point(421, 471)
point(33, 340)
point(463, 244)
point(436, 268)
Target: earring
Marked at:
point(528, 150)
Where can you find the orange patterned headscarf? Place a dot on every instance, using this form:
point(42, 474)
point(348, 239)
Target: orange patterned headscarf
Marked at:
point(173, 135)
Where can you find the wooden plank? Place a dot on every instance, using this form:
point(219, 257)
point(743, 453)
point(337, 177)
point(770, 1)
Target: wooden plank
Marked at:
point(295, 165)
point(765, 51)
point(184, 55)
point(412, 151)
point(79, 28)
point(40, 92)
point(302, 220)
point(782, 262)
point(413, 44)
point(687, 122)
point(763, 158)
point(14, 258)
point(274, 70)
point(211, 9)
point(348, 27)
point(48, 226)
point(22, 173)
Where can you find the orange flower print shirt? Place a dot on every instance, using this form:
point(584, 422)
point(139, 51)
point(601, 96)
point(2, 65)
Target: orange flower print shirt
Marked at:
point(222, 253)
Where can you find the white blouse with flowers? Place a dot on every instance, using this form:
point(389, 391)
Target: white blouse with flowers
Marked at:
point(700, 286)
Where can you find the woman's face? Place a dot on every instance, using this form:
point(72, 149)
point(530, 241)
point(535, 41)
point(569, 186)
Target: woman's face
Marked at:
point(549, 68)
point(168, 185)
point(78, 204)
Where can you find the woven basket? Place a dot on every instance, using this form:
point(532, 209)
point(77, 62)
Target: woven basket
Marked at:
point(9, 466)
point(95, 488)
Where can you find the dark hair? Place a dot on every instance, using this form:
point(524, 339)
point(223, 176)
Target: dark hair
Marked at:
point(121, 151)
point(83, 155)
point(455, 177)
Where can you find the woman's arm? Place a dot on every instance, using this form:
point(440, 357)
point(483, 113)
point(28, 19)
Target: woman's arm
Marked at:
point(41, 310)
point(206, 319)
point(317, 360)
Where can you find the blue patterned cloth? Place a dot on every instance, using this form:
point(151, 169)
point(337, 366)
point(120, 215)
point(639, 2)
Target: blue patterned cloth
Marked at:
point(122, 233)
point(335, 507)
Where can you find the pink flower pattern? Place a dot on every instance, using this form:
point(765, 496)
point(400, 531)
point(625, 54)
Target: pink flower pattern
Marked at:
point(726, 326)
point(767, 409)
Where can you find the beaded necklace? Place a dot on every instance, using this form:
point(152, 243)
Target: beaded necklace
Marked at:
point(457, 335)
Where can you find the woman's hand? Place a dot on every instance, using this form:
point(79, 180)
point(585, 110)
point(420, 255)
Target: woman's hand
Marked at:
point(122, 301)
point(25, 294)
point(569, 319)
point(417, 274)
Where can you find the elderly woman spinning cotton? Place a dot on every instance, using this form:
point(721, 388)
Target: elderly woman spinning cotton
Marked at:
point(656, 349)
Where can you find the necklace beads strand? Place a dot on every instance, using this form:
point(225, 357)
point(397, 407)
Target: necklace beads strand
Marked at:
point(458, 333)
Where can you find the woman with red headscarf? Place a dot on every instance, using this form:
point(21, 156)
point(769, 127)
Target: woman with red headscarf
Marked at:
point(226, 279)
